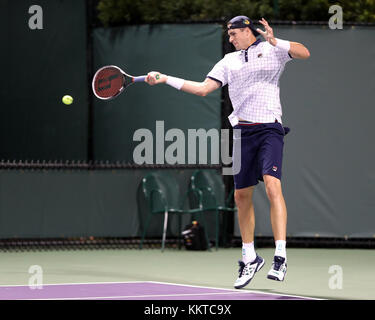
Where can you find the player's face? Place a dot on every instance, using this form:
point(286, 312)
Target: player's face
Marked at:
point(239, 38)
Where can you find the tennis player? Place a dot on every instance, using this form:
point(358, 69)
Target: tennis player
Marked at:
point(252, 74)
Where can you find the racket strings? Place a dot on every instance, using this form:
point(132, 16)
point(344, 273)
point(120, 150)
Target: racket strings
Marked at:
point(108, 82)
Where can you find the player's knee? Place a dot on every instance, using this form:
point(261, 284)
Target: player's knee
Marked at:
point(243, 197)
point(272, 193)
point(273, 188)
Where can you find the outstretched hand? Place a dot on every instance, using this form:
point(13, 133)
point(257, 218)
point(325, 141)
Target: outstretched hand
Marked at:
point(268, 33)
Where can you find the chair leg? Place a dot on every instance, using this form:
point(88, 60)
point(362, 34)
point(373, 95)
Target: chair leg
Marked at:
point(164, 230)
point(205, 231)
point(217, 230)
point(224, 219)
point(144, 230)
point(179, 232)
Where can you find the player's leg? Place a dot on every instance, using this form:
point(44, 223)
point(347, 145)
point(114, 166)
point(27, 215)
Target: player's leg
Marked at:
point(246, 221)
point(278, 223)
point(271, 162)
point(245, 208)
point(251, 262)
point(245, 149)
point(277, 207)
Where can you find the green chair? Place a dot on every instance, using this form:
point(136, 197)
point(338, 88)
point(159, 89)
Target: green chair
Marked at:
point(162, 194)
point(209, 192)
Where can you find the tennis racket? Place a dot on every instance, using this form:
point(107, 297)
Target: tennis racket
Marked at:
point(110, 81)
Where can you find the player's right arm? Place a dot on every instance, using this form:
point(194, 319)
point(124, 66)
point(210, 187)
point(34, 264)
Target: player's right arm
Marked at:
point(193, 87)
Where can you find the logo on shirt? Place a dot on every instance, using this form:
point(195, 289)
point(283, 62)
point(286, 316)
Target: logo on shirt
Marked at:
point(274, 168)
point(260, 55)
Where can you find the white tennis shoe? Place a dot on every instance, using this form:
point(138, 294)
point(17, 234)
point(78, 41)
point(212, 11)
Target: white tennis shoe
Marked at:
point(278, 269)
point(247, 271)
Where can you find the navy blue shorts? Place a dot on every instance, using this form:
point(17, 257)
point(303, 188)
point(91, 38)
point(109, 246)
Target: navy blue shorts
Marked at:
point(261, 152)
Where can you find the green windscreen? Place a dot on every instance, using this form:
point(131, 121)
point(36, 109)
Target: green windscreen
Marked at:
point(39, 67)
point(184, 51)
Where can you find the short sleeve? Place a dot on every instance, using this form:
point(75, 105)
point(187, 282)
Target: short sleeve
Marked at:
point(219, 73)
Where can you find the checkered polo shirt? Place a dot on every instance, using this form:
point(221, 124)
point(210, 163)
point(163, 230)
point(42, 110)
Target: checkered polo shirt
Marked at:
point(253, 77)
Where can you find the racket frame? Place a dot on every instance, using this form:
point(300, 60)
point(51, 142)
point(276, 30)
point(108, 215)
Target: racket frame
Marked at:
point(124, 74)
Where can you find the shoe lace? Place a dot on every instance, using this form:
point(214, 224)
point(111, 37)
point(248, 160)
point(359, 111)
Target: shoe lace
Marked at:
point(241, 267)
point(277, 263)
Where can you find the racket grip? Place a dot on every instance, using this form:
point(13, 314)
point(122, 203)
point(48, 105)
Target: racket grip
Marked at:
point(139, 79)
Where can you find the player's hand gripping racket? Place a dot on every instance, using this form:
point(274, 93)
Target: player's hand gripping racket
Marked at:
point(110, 81)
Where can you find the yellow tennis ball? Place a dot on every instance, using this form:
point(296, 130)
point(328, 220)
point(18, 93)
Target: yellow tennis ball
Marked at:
point(67, 99)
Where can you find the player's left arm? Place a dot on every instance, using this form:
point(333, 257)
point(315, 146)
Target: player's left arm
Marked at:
point(295, 49)
point(298, 50)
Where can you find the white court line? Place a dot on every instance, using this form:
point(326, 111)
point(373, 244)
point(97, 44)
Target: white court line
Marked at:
point(171, 283)
point(143, 296)
point(71, 283)
point(237, 290)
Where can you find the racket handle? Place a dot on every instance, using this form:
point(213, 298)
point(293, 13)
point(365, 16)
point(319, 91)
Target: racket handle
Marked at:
point(139, 79)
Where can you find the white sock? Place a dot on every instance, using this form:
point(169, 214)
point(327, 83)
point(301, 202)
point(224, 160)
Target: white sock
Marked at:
point(280, 248)
point(248, 252)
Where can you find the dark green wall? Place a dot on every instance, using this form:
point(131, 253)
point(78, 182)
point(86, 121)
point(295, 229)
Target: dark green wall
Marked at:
point(185, 51)
point(38, 68)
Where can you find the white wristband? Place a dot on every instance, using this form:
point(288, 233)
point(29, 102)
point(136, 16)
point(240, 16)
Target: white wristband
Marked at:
point(175, 82)
point(282, 44)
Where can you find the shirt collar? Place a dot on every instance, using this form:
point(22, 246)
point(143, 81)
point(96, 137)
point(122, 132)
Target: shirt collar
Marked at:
point(255, 43)
point(244, 52)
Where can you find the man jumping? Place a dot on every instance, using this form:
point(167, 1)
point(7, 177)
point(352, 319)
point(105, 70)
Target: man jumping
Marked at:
point(252, 74)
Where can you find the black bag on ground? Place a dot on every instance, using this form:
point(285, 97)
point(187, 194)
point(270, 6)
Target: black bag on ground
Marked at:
point(194, 237)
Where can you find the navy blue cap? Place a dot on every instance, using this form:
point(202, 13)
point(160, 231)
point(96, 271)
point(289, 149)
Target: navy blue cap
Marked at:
point(242, 22)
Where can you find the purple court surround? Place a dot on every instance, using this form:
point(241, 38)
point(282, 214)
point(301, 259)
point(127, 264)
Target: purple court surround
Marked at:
point(147, 290)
